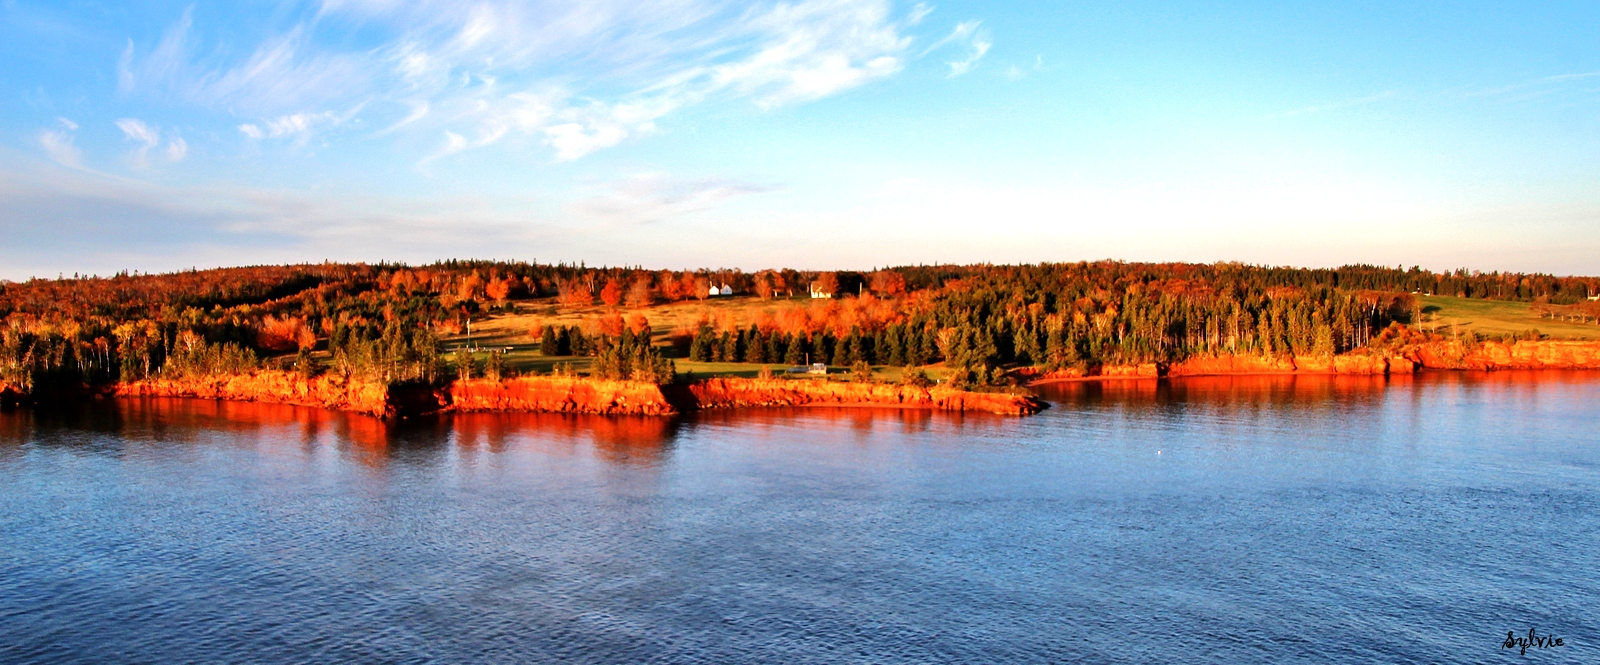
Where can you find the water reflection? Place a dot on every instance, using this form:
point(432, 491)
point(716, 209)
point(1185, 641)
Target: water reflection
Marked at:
point(375, 442)
point(1244, 401)
point(1302, 390)
point(1245, 518)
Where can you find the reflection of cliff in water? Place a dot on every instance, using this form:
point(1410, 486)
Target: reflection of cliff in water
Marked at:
point(1241, 391)
point(1309, 390)
point(621, 439)
point(114, 424)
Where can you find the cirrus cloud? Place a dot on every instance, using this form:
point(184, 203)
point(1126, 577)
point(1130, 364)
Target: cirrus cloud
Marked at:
point(573, 75)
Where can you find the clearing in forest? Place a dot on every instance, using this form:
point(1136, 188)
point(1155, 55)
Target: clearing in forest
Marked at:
point(1447, 314)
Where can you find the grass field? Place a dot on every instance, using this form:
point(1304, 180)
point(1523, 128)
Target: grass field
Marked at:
point(1496, 317)
point(511, 331)
point(514, 328)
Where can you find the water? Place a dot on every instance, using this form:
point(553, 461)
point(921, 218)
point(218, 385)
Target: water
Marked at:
point(1271, 520)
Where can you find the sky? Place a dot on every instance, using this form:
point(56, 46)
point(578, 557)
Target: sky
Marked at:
point(812, 134)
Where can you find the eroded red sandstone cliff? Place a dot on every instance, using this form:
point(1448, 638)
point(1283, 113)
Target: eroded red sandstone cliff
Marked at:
point(558, 395)
point(565, 395)
point(273, 386)
point(735, 393)
point(1436, 354)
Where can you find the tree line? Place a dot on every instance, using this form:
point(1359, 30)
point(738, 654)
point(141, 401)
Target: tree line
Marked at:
point(383, 321)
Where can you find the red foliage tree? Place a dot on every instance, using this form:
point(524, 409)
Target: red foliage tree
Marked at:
point(611, 293)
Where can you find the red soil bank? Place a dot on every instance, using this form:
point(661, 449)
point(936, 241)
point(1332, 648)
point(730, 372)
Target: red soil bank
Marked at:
point(1355, 363)
point(559, 395)
point(563, 395)
point(1442, 354)
point(735, 393)
point(276, 387)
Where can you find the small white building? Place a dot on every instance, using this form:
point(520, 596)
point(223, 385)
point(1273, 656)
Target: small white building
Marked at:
point(723, 290)
point(819, 293)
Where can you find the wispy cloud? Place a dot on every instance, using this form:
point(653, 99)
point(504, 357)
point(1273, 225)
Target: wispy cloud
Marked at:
point(575, 75)
point(137, 131)
point(1541, 85)
point(1015, 73)
point(973, 38)
point(652, 197)
point(59, 145)
point(1343, 104)
point(177, 149)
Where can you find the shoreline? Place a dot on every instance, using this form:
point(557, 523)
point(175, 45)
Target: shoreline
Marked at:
point(1450, 355)
point(549, 394)
point(572, 394)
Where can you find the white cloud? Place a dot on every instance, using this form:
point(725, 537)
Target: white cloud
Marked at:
point(290, 124)
point(177, 149)
point(576, 75)
point(971, 35)
point(652, 197)
point(60, 148)
point(135, 130)
point(70, 125)
point(284, 72)
point(296, 126)
point(918, 12)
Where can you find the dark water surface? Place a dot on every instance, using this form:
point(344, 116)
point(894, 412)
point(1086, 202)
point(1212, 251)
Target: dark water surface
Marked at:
point(1268, 520)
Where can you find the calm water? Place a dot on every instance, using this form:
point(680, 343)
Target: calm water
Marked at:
point(1229, 521)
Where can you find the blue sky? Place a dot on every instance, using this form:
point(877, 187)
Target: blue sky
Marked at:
point(811, 134)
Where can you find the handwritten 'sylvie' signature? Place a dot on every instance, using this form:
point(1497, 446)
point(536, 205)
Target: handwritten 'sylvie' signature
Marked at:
point(1532, 640)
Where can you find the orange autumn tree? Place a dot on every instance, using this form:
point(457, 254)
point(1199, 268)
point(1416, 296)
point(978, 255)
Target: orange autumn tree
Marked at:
point(888, 283)
point(611, 293)
point(575, 293)
point(498, 290)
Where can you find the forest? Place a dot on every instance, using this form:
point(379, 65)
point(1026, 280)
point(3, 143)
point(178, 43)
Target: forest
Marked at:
point(387, 322)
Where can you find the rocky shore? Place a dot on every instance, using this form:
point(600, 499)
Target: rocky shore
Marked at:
point(1435, 354)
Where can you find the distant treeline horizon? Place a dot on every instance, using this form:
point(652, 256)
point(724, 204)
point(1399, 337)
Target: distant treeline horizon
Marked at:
point(383, 321)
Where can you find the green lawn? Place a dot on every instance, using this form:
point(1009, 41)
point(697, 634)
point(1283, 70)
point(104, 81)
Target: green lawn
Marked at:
point(1446, 314)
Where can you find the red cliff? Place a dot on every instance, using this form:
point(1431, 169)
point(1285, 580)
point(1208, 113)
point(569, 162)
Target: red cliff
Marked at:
point(735, 393)
point(567, 395)
point(275, 387)
point(1231, 365)
point(559, 394)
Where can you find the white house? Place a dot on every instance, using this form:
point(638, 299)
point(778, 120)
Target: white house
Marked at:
point(819, 293)
point(715, 291)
